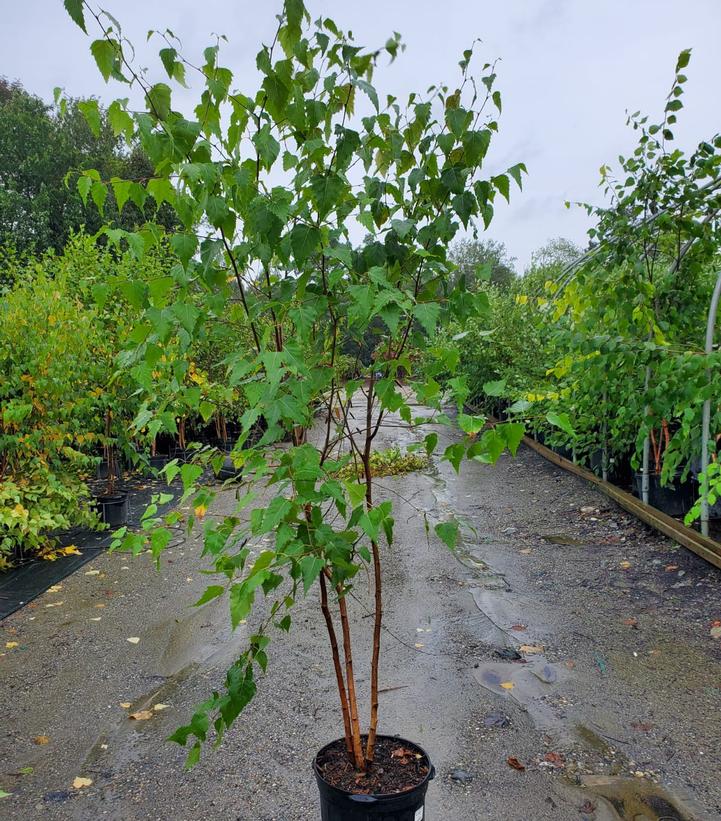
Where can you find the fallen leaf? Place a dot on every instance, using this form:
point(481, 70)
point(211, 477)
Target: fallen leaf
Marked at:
point(26, 771)
point(96, 618)
point(671, 567)
point(133, 639)
point(55, 604)
point(632, 621)
point(507, 685)
point(418, 645)
point(158, 707)
point(642, 726)
point(99, 605)
point(526, 551)
point(56, 588)
point(518, 627)
point(531, 648)
point(142, 715)
point(512, 761)
point(41, 739)
point(70, 550)
point(125, 704)
point(10, 644)
point(92, 572)
point(625, 565)
point(81, 782)
point(555, 759)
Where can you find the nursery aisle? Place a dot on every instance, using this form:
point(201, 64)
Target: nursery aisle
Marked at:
point(618, 685)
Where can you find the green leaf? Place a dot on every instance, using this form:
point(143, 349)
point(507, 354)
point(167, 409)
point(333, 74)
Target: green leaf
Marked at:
point(310, 567)
point(449, 533)
point(497, 388)
point(91, 112)
point(211, 592)
point(427, 314)
point(503, 185)
point(121, 191)
point(184, 246)
point(513, 432)
point(158, 101)
point(304, 240)
point(683, 59)
point(75, 9)
point(161, 190)
point(326, 190)
point(105, 53)
point(267, 146)
point(561, 420)
point(465, 206)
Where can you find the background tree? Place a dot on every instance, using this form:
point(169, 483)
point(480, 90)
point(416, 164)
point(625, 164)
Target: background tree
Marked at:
point(485, 260)
point(39, 145)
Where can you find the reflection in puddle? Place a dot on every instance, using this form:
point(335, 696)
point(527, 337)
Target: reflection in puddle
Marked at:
point(638, 800)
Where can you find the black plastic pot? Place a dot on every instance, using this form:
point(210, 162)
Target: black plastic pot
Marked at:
point(158, 462)
point(229, 470)
point(674, 499)
point(113, 509)
point(339, 805)
point(102, 470)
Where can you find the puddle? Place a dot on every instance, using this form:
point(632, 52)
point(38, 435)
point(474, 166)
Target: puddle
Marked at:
point(531, 686)
point(634, 799)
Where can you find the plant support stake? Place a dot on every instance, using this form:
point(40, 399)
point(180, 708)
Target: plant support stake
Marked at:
point(706, 423)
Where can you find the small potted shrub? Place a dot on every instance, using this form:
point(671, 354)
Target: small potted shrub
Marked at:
point(281, 178)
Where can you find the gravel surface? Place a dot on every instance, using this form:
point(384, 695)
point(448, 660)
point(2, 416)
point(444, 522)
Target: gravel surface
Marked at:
point(614, 709)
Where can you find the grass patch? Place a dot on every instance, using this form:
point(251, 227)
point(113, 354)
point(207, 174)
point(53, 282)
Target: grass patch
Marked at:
point(391, 462)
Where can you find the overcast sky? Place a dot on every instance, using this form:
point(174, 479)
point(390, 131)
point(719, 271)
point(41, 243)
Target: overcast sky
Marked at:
point(569, 71)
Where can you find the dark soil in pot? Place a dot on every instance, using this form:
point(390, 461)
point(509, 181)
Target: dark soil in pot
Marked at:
point(394, 788)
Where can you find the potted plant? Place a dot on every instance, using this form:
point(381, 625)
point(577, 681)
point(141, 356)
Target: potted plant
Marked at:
point(283, 178)
point(112, 503)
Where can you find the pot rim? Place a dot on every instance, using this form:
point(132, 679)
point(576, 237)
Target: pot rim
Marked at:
point(430, 775)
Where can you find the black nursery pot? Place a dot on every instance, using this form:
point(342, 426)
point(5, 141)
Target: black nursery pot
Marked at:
point(113, 509)
point(675, 499)
point(339, 805)
point(158, 462)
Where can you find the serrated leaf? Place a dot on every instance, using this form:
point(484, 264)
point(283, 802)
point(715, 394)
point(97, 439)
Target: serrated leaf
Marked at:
point(75, 9)
point(105, 53)
point(561, 420)
point(448, 533)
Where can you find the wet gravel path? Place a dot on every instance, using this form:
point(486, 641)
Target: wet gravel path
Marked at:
point(614, 707)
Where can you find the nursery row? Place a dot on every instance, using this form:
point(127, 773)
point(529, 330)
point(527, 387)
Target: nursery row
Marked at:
point(605, 355)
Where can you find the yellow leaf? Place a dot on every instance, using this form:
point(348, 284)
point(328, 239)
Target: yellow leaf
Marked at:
point(507, 685)
point(56, 588)
point(10, 644)
point(141, 715)
point(159, 707)
point(70, 550)
point(531, 648)
point(125, 704)
point(625, 565)
point(41, 739)
point(133, 639)
point(80, 782)
point(200, 511)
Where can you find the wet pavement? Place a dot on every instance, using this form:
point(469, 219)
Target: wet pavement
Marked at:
point(561, 665)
